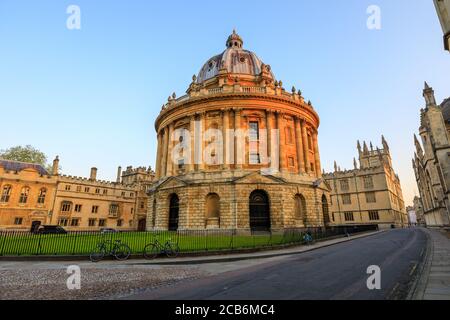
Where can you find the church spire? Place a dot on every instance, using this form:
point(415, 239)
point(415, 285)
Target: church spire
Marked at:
point(385, 144)
point(428, 94)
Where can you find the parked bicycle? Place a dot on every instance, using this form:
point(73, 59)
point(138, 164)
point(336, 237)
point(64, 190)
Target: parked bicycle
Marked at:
point(117, 249)
point(155, 248)
point(307, 238)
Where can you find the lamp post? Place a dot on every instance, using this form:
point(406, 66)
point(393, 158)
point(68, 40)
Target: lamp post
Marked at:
point(443, 11)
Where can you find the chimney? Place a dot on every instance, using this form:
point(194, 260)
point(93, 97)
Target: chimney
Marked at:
point(93, 176)
point(55, 166)
point(119, 174)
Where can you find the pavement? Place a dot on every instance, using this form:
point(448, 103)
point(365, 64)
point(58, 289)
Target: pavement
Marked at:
point(332, 272)
point(434, 282)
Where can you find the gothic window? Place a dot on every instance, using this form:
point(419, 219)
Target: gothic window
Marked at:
point(349, 216)
point(24, 195)
point(368, 182)
point(374, 216)
point(344, 185)
point(346, 199)
point(6, 193)
point(78, 208)
point(41, 196)
point(75, 222)
point(213, 206)
point(370, 197)
point(18, 221)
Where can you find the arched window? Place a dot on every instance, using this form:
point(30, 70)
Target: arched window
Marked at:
point(41, 196)
point(300, 207)
point(212, 206)
point(326, 215)
point(24, 195)
point(6, 193)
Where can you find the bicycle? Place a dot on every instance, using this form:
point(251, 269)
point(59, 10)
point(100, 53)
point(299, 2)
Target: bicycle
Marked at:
point(153, 249)
point(117, 249)
point(307, 238)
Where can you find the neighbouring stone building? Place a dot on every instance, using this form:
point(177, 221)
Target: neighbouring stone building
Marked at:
point(370, 193)
point(431, 161)
point(211, 176)
point(27, 194)
point(31, 196)
point(418, 208)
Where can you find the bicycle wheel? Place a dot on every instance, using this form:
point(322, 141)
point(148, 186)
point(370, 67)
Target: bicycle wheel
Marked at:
point(122, 252)
point(98, 254)
point(171, 249)
point(151, 251)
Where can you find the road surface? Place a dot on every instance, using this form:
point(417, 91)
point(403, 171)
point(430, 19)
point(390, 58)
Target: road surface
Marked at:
point(335, 272)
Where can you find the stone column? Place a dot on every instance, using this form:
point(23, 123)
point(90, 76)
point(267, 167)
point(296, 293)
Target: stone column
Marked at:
point(299, 147)
point(269, 114)
point(317, 155)
point(169, 160)
point(158, 156)
point(163, 163)
point(225, 127)
point(237, 126)
point(305, 146)
point(202, 143)
point(280, 128)
point(192, 143)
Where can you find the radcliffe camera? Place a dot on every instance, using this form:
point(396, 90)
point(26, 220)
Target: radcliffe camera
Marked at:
point(225, 160)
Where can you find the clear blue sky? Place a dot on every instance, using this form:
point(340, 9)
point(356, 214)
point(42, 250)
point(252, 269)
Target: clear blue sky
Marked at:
point(92, 95)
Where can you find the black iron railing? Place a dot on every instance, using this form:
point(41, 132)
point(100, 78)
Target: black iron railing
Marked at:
point(20, 243)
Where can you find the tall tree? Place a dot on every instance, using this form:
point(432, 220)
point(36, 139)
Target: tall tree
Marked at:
point(26, 154)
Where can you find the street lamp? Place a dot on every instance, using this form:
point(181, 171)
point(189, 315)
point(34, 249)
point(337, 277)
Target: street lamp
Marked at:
point(443, 11)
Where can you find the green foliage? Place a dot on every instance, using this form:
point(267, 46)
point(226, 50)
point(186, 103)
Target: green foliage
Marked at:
point(24, 154)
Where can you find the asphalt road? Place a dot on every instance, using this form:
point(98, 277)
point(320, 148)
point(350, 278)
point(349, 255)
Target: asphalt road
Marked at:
point(335, 272)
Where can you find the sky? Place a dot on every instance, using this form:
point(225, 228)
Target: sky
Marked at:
point(91, 95)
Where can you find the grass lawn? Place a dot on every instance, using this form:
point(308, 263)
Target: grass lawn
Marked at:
point(85, 243)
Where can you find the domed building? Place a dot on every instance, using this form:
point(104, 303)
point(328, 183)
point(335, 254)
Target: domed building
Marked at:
point(237, 152)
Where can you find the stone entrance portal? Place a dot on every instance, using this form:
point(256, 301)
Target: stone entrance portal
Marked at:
point(259, 211)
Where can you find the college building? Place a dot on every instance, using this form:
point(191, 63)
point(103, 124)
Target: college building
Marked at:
point(431, 162)
point(31, 196)
point(370, 193)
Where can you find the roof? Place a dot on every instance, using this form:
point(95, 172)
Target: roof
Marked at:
point(17, 166)
point(235, 59)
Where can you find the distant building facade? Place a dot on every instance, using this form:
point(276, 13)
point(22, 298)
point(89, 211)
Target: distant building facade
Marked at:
point(31, 196)
point(370, 193)
point(412, 217)
point(431, 161)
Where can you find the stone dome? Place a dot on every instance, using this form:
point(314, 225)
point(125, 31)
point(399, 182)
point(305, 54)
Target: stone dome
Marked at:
point(235, 59)
point(445, 106)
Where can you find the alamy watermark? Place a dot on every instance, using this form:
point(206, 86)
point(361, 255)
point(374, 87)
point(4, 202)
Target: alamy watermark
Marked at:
point(74, 280)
